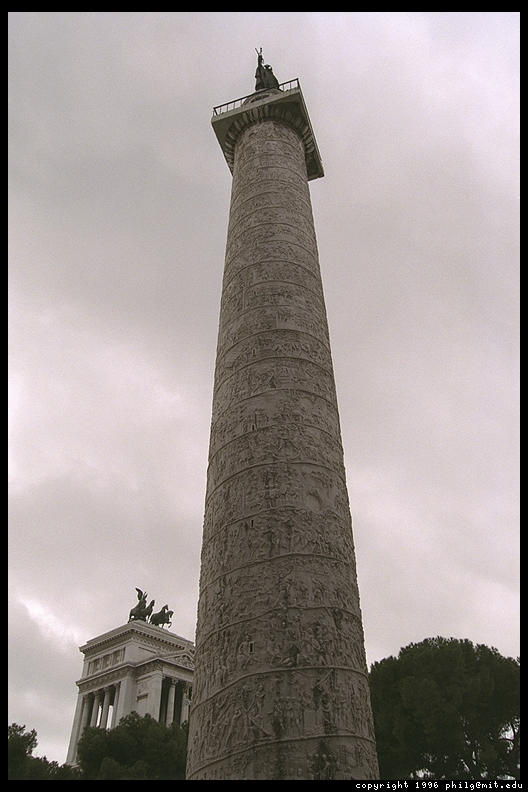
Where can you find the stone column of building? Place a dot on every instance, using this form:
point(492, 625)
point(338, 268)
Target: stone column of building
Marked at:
point(115, 704)
point(170, 702)
point(185, 702)
point(154, 699)
point(106, 706)
point(95, 707)
point(126, 700)
point(280, 689)
point(80, 721)
point(87, 709)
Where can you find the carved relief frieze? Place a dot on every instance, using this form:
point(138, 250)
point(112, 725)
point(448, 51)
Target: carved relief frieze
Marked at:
point(271, 444)
point(281, 250)
point(295, 586)
point(283, 293)
point(269, 375)
point(309, 760)
point(268, 293)
point(276, 532)
point(260, 235)
point(281, 317)
point(281, 676)
point(275, 486)
point(270, 270)
point(275, 344)
point(268, 138)
point(282, 174)
point(281, 408)
point(272, 214)
point(285, 707)
point(260, 196)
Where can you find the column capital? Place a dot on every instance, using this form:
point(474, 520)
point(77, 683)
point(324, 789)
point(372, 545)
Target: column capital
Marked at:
point(286, 106)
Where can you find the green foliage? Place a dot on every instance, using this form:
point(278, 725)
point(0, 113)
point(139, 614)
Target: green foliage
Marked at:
point(20, 746)
point(138, 749)
point(445, 708)
point(22, 766)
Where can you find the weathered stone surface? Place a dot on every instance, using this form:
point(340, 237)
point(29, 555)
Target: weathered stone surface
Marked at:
point(280, 689)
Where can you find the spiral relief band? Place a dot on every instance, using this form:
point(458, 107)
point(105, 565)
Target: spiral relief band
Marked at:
point(280, 688)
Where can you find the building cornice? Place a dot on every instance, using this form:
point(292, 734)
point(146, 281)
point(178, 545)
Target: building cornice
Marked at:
point(152, 634)
point(104, 678)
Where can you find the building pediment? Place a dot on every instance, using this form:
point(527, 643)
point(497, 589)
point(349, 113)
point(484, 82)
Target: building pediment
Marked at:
point(185, 658)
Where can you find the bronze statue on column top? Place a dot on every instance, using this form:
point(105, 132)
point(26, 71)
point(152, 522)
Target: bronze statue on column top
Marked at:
point(264, 77)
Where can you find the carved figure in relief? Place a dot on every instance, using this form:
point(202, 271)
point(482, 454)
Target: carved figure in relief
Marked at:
point(273, 541)
point(290, 658)
point(324, 765)
point(260, 697)
point(286, 449)
point(245, 650)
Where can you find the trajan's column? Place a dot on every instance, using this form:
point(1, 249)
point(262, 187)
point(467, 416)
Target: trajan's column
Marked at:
point(280, 687)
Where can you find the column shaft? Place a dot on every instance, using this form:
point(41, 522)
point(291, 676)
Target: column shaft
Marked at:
point(154, 697)
point(126, 699)
point(117, 689)
point(76, 728)
point(185, 703)
point(170, 703)
point(106, 707)
point(95, 708)
point(280, 689)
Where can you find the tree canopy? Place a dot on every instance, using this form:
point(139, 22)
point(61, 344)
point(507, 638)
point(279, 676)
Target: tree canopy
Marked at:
point(445, 708)
point(139, 748)
point(22, 766)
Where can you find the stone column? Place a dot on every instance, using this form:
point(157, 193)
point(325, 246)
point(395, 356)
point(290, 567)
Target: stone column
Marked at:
point(126, 699)
point(80, 712)
point(170, 703)
point(185, 703)
point(106, 706)
point(87, 708)
point(280, 689)
point(95, 707)
point(154, 694)
point(115, 703)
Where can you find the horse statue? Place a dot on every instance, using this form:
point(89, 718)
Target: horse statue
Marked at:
point(142, 611)
point(162, 617)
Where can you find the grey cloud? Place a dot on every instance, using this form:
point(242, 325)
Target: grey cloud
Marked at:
point(119, 201)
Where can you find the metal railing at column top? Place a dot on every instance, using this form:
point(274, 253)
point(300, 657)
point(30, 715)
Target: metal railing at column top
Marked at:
point(289, 85)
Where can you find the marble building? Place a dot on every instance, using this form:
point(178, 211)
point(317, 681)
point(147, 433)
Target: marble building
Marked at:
point(136, 667)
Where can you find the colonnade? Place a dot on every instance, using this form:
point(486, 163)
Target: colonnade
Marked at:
point(175, 701)
point(104, 708)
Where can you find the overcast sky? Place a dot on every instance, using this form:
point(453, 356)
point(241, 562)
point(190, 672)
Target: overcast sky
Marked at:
point(119, 200)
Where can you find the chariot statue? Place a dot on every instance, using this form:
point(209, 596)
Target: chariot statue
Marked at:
point(142, 611)
point(162, 617)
